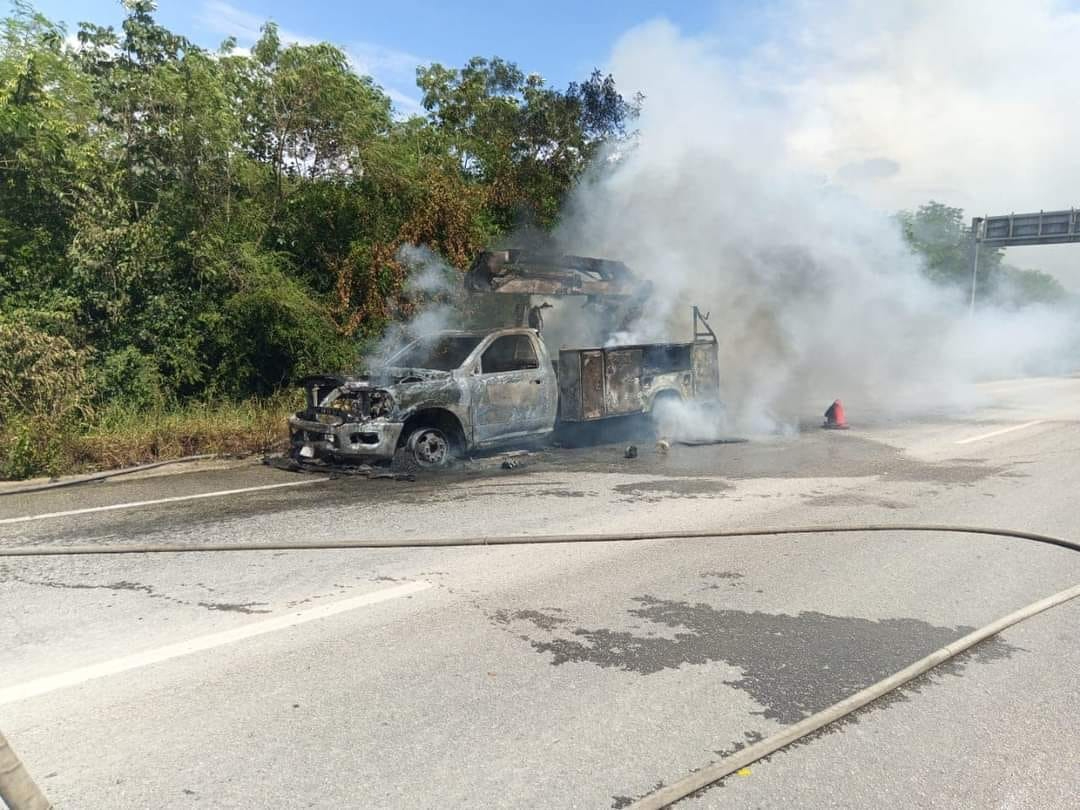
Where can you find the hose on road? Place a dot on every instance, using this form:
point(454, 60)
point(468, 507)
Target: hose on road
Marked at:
point(697, 780)
point(516, 540)
point(101, 476)
point(17, 789)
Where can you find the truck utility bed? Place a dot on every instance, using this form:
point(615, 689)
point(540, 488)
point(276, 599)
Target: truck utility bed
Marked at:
point(595, 383)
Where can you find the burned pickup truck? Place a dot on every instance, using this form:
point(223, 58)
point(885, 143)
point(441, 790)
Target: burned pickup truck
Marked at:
point(451, 392)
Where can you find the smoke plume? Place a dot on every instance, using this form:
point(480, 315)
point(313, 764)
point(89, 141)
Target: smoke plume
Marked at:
point(432, 291)
point(744, 195)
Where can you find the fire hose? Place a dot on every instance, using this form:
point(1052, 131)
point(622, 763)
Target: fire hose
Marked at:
point(18, 790)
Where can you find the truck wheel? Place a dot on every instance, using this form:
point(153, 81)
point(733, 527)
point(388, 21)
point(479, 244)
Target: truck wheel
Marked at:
point(429, 447)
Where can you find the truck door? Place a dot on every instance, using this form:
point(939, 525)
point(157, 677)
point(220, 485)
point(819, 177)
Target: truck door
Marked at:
point(514, 392)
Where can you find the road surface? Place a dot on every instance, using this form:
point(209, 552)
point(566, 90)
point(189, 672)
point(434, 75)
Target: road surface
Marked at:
point(561, 676)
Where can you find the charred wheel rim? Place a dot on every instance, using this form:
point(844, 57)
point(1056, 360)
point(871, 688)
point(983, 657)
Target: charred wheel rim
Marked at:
point(430, 447)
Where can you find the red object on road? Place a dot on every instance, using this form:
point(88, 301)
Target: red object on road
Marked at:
point(834, 417)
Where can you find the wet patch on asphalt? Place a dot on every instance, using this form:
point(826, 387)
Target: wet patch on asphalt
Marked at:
point(732, 578)
point(234, 607)
point(545, 621)
point(658, 489)
point(811, 454)
point(527, 492)
point(749, 738)
point(619, 802)
point(854, 499)
point(792, 666)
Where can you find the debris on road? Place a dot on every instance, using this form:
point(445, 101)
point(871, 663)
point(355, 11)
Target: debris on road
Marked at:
point(714, 440)
point(662, 446)
point(291, 464)
point(631, 451)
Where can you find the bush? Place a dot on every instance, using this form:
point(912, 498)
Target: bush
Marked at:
point(273, 331)
point(44, 395)
point(132, 378)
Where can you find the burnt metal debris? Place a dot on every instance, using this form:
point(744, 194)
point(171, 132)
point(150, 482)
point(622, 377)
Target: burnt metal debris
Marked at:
point(291, 464)
point(525, 273)
point(450, 393)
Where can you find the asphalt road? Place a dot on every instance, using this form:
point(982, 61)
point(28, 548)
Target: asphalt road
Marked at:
point(561, 676)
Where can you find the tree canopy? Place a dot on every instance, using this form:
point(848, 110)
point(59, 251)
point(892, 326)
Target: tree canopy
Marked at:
point(219, 223)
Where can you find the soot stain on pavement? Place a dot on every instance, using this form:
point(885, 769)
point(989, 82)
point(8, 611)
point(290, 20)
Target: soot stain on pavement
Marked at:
point(792, 666)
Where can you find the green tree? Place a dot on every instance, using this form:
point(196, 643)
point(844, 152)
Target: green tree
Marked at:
point(528, 142)
point(1016, 288)
point(46, 149)
point(938, 234)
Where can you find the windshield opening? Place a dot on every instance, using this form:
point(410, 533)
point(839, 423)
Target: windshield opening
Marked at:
point(439, 353)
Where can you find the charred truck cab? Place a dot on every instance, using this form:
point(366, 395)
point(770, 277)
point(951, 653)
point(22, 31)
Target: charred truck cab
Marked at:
point(440, 396)
point(451, 392)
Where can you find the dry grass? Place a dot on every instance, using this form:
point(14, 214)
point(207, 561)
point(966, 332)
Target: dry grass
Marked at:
point(122, 439)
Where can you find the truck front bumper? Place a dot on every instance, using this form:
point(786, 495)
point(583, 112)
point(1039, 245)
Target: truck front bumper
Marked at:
point(372, 439)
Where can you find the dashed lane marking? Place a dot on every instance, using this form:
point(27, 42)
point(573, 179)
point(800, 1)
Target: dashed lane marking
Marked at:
point(1000, 432)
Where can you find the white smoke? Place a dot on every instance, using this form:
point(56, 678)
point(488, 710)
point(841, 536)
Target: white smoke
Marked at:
point(433, 288)
point(726, 202)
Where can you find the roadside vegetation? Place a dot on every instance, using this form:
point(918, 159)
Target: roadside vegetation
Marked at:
point(184, 232)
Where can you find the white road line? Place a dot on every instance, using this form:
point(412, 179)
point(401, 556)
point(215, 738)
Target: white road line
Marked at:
point(1021, 385)
point(1000, 432)
point(132, 504)
point(51, 683)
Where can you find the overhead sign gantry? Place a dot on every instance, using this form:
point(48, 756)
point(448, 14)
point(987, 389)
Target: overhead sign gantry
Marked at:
point(1042, 228)
point(1016, 230)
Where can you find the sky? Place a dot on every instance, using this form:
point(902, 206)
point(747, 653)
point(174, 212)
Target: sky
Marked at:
point(561, 40)
point(896, 101)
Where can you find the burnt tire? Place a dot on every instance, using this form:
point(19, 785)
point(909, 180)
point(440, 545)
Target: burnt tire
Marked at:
point(428, 447)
